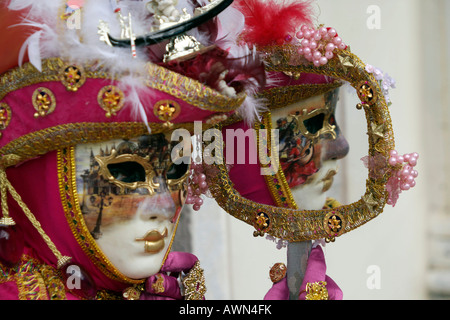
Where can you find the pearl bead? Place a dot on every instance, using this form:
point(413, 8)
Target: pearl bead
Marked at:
point(337, 40)
point(305, 43)
point(323, 60)
point(329, 55)
point(299, 34)
point(330, 47)
point(317, 55)
point(332, 32)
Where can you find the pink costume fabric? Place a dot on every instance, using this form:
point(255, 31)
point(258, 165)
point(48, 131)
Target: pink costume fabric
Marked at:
point(315, 272)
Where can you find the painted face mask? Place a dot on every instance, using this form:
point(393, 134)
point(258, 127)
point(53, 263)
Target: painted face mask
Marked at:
point(131, 194)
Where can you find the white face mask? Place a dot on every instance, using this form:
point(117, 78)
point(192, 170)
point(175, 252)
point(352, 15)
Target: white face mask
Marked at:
point(131, 196)
point(310, 145)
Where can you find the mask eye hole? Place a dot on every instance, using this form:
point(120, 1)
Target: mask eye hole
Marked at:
point(128, 171)
point(177, 170)
point(314, 124)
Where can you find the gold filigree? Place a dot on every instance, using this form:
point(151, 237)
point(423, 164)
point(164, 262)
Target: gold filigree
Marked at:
point(194, 283)
point(316, 291)
point(133, 293)
point(43, 101)
point(72, 76)
point(111, 99)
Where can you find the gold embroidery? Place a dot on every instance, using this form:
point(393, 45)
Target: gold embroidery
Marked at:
point(35, 281)
point(194, 283)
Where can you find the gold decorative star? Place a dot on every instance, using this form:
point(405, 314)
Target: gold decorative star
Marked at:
point(346, 62)
point(377, 130)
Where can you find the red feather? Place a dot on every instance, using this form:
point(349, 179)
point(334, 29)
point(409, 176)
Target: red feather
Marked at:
point(270, 22)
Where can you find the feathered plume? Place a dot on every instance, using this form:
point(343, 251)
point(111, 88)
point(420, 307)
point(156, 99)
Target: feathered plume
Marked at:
point(268, 22)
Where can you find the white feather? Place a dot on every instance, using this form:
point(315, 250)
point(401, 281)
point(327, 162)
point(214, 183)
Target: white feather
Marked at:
point(34, 50)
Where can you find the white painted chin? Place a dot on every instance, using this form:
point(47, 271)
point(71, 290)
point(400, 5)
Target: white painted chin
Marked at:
point(118, 243)
point(312, 194)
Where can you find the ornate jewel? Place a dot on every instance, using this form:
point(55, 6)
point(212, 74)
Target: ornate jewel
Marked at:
point(44, 102)
point(166, 110)
point(316, 291)
point(366, 93)
point(334, 225)
point(158, 285)
point(278, 272)
point(5, 116)
point(194, 283)
point(111, 99)
point(72, 77)
point(133, 293)
point(261, 224)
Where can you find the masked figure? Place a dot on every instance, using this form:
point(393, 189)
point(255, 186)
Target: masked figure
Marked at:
point(93, 174)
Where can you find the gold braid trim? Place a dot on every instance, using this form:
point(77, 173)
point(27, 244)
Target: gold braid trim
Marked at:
point(280, 97)
point(6, 185)
point(40, 142)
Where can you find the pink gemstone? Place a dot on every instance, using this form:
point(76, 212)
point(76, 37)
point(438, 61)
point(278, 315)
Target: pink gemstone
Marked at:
point(78, 281)
point(11, 245)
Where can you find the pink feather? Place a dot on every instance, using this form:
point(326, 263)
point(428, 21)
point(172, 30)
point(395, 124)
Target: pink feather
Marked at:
point(268, 22)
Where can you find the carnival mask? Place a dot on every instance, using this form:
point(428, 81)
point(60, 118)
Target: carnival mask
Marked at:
point(131, 194)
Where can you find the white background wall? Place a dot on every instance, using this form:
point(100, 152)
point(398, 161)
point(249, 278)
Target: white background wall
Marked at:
point(400, 246)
